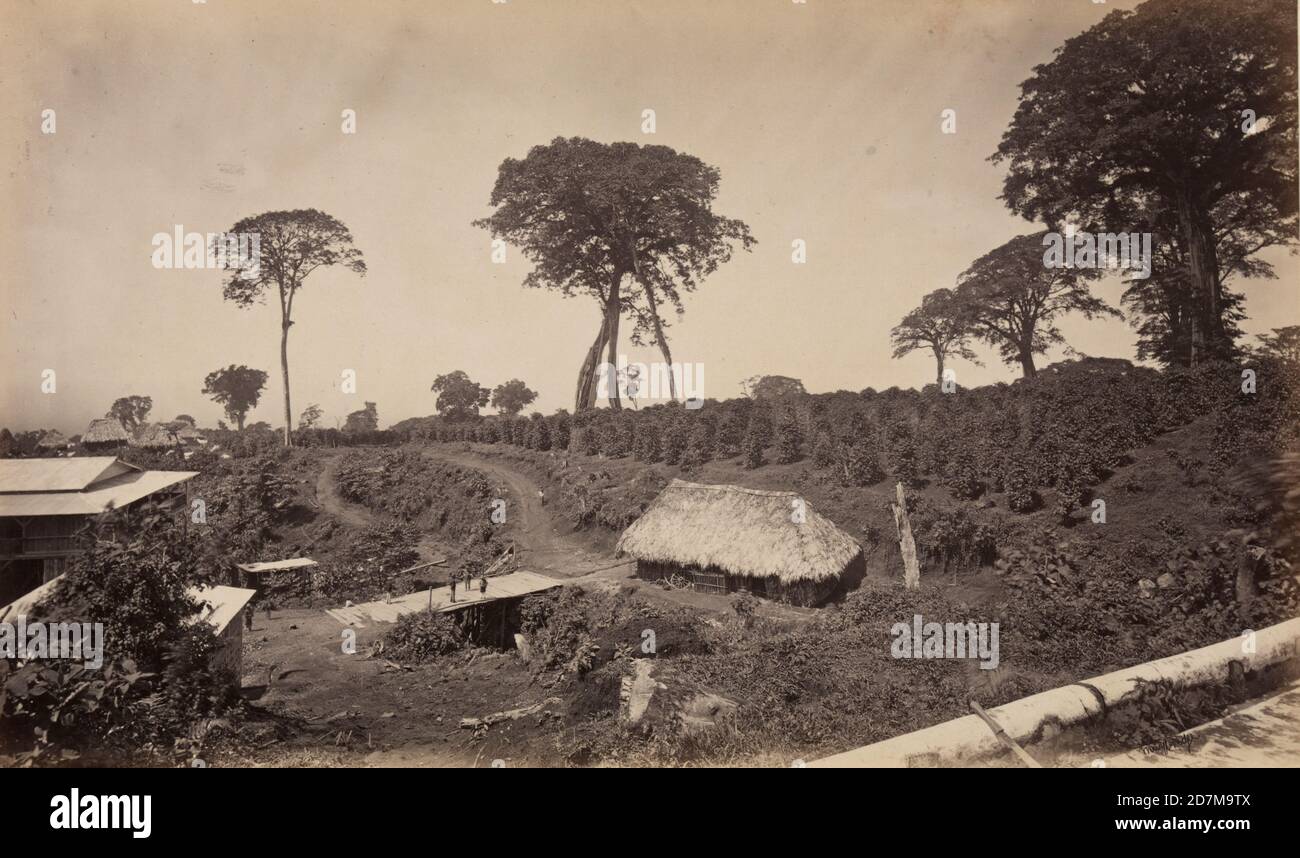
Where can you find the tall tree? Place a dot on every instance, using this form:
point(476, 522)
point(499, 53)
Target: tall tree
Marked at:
point(459, 397)
point(236, 389)
point(939, 325)
point(1187, 106)
point(590, 215)
point(131, 411)
point(1011, 299)
point(511, 397)
point(292, 245)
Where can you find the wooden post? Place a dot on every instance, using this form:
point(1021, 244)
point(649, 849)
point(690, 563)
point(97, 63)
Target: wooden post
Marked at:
point(1004, 738)
point(906, 544)
point(1247, 572)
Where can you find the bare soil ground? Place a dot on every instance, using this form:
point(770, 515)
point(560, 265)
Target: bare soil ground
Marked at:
point(361, 709)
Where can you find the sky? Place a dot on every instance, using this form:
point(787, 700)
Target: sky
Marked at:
point(824, 119)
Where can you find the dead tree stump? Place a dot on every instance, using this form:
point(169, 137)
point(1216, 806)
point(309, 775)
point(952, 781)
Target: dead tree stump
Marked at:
point(906, 544)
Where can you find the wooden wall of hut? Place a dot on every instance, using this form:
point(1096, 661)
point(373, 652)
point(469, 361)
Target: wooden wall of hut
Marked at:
point(714, 580)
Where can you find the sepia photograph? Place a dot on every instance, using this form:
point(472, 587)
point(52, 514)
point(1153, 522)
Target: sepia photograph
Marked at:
point(631, 384)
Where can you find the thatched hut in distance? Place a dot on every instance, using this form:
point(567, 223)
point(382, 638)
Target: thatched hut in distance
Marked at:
point(104, 433)
point(724, 539)
point(155, 436)
point(51, 441)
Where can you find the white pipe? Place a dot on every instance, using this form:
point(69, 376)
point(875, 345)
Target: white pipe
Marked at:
point(965, 740)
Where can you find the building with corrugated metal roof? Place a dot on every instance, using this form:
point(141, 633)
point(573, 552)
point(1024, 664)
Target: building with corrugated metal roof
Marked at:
point(46, 507)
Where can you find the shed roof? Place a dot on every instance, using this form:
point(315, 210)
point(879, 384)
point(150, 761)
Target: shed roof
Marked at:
point(221, 604)
point(59, 475)
point(114, 493)
point(217, 605)
point(277, 565)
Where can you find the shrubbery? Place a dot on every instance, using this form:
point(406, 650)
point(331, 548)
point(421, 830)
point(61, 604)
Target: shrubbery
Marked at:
point(422, 636)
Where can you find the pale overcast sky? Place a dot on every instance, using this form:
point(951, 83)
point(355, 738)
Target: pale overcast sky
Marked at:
point(824, 119)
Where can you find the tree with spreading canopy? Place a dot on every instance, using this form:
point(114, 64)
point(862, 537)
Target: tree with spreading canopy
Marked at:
point(772, 387)
point(511, 397)
point(631, 226)
point(459, 397)
point(292, 244)
point(310, 416)
point(1010, 299)
point(365, 420)
point(131, 411)
point(938, 325)
point(1283, 344)
point(1179, 109)
point(236, 389)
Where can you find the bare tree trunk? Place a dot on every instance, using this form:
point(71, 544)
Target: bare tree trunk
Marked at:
point(1027, 363)
point(585, 397)
point(1208, 338)
point(284, 367)
point(661, 339)
point(613, 312)
point(938, 359)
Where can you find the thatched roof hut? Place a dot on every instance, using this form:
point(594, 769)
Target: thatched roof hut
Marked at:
point(52, 440)
point(184, 431)
point(155, 436)
point(724, 538)
point(106, 431)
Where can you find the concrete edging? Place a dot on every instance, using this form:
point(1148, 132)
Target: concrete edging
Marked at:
point(966, 740)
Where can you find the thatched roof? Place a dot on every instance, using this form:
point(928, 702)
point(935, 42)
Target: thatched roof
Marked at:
point(154, 436)
point(741, 531)
point(51, 440)
point(105, 430)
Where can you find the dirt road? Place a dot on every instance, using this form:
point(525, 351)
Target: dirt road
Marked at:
point(543, 542)
point(327, 495)
point(357, 516)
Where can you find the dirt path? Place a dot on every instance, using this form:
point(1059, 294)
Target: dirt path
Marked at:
point(357, 516)
point(327, 495)
point(541, 540)
point(547, 546)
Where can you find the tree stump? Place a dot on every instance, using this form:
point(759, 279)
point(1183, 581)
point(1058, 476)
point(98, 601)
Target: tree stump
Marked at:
point(906, 544)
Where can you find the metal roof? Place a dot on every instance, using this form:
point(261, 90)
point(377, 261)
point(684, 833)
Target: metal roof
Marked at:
point(218, 605)
point(221, 604)
point(277, 565)
point(73, 474)
point(117, 492)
